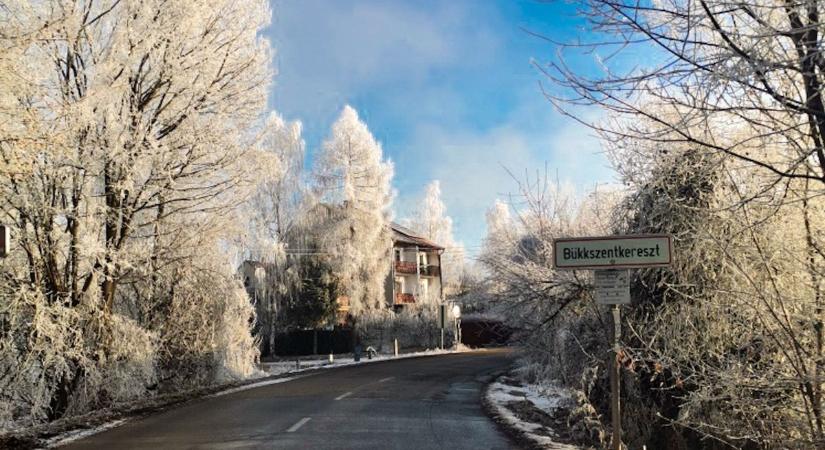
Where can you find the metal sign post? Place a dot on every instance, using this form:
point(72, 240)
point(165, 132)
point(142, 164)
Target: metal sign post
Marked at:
point(610, 257)
point(442, 321)
point(613, 288)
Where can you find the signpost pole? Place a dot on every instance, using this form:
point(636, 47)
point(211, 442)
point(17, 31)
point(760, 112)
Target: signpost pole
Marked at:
point(615, 382)
point(610, 257)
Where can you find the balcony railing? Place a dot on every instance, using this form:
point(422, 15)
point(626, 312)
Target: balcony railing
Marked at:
point(430, 271)
point(410, 268)
point(405, 267)
point(404, 299)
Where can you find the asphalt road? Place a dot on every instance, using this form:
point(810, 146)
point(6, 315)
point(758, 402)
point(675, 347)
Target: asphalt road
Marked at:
point(416, 403)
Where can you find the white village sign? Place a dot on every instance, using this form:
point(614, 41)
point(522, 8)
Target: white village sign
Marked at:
point(610, 257)
point(613, 252)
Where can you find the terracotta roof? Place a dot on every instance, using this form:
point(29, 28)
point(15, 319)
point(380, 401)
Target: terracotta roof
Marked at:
point(407, 236)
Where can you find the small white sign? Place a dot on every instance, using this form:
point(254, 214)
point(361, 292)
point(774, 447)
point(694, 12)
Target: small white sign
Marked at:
point(613, 252)
point(612, 286)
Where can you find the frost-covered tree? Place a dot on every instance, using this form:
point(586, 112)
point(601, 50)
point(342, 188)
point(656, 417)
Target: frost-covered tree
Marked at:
point(740, 78)
point(279, 188)
point(430, 219)
point(561, 327)
point(278, 191)
point(726, 342)
point(720, 135)
point(133, 117)
point(517, 252)
point(354, 181)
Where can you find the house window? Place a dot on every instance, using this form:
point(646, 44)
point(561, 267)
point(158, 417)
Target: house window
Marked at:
point(422, 259)
point(423, 286)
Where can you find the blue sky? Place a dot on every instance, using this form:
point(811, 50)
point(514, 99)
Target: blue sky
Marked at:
point(447, 87)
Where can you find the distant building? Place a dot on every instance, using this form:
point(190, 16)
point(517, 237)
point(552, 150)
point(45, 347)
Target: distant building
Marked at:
point(414, 277)
point(415, 274)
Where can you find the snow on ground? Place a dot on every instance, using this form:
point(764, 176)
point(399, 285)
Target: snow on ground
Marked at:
point(322, 362)
point(507, 398)
point(74, 435)
point(247, 387)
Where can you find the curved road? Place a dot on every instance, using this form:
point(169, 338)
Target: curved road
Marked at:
point(415, 403)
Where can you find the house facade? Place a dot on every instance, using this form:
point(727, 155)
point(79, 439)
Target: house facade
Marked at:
point(415, 270)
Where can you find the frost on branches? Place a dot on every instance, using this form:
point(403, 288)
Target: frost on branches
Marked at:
point(722, 349)
point(735, 324)
point(123, 126)
point(277, 196)
point(720, 139)
point(554, 309)
point(353, 182)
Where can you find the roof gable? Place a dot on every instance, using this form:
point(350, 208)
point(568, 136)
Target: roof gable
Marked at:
point(404, 235)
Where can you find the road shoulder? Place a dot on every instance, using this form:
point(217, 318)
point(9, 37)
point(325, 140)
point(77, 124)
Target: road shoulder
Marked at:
point(537, 416)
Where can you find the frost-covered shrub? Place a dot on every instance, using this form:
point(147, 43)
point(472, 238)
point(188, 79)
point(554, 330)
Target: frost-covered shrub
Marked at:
point(52, 352)
point(236, 353)
point(205, 337)
point(42, 346)
point(724, 342)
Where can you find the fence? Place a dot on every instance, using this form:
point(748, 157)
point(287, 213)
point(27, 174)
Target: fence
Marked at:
point(309, 342)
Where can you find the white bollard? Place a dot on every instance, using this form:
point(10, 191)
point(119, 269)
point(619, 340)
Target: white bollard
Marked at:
point(331, 359)
point(396, 348)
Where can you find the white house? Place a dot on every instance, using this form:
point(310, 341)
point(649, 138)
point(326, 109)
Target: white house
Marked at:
point(415, 274)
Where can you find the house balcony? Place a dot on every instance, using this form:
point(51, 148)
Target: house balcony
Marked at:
point(406, 267)
point(404, 299)
point(430, 271)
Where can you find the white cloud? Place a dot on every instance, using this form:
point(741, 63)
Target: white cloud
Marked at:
point(473, 165)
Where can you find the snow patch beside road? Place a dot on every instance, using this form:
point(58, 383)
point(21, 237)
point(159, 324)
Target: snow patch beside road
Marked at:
point(255, 385)
point(535, 412)
point(298, 365)
point(72, 436)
